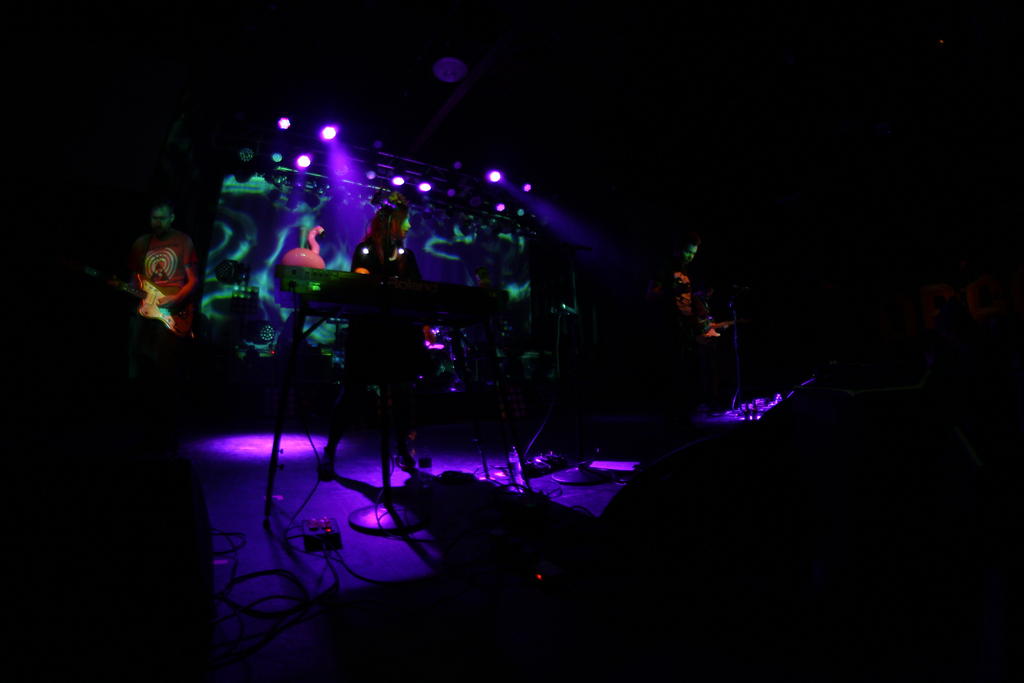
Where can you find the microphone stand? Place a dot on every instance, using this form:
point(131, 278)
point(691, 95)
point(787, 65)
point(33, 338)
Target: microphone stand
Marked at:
point(735, 348)
point(578, 475)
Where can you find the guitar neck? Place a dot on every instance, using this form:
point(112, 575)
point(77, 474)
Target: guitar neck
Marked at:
point(114, 282)
point(134, 291)
point(177, 319)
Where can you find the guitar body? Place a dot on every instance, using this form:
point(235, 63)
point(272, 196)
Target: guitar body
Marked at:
point(710, 332)
point(178, 321)
point(707, 327)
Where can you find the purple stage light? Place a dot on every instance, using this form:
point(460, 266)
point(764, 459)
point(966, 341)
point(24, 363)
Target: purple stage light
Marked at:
point(494, 176)
point(328, 132)
point(425, 187)
point(499, 206)
point(450, 192)
point(398, 181)
point(527, 187)
point(284, 123)
point(370, 175)
point(256, 446)
point(450, 69)
point(303, 161)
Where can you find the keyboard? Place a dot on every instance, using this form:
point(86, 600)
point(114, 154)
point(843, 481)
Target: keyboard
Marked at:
point(341, 293)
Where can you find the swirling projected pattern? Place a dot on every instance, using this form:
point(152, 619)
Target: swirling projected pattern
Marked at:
point(257, 223)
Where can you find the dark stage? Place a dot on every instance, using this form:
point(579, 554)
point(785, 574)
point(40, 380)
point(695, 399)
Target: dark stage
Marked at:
point(844, 535)
point(826, 490)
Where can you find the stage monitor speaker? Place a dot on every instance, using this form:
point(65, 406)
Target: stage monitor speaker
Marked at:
point(718, 511)
point(880, 457)
point(121, 571)
point(899, 535)
point(861, 508)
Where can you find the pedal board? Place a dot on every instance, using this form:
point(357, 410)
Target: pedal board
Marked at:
point(543, 464)
point(321, 534)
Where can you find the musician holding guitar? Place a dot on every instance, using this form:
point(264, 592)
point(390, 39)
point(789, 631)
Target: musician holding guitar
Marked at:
point(685, 337)
point(164, 274)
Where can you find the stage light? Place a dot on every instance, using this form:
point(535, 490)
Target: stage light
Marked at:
point(425, 187)
point(499, 206)
point(457, 165)
point(259, 332)
point(451, 192)
point(370, 175)
point(328, 132)
point(245, 169)
point(398, 181)
point(450, 69)
point(231, 272)
point(527, 187)
point(494, 176)
point(303, 161)
point(284, 123)
point(277, 157)
point(266, 333)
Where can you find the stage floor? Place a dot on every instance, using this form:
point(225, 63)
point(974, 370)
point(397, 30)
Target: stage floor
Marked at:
point(477, 590)
point(702, 572)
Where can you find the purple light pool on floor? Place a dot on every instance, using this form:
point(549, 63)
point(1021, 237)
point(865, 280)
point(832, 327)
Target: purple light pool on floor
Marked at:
point(259, 446)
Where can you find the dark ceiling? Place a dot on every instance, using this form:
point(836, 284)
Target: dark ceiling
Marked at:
point(716, 111)
point(823, 149)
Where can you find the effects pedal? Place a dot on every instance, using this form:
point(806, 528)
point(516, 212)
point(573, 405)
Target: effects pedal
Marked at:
point(321, 534)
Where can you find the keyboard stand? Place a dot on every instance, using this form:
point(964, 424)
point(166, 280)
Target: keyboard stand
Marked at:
point(385, 517)
point(298, 334)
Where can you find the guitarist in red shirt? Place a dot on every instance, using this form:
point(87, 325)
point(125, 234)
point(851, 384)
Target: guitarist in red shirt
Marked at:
point(163, 266)
point(684, 331)
point(166, 258)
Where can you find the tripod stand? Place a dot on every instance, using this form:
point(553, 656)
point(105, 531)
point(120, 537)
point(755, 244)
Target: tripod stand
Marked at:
point(570, 313)
point(386, 516)
point(736, 350)
point(383, 517)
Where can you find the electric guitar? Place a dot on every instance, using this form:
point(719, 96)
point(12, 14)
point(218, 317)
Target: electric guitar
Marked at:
point(178, 319)
point(711, 330)
point(707, 327)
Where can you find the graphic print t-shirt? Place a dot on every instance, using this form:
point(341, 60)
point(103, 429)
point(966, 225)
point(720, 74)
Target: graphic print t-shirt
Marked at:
point(691, 310)
point(164, 261)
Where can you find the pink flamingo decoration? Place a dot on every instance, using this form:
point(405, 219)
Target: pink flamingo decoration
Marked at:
point(307, 258)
